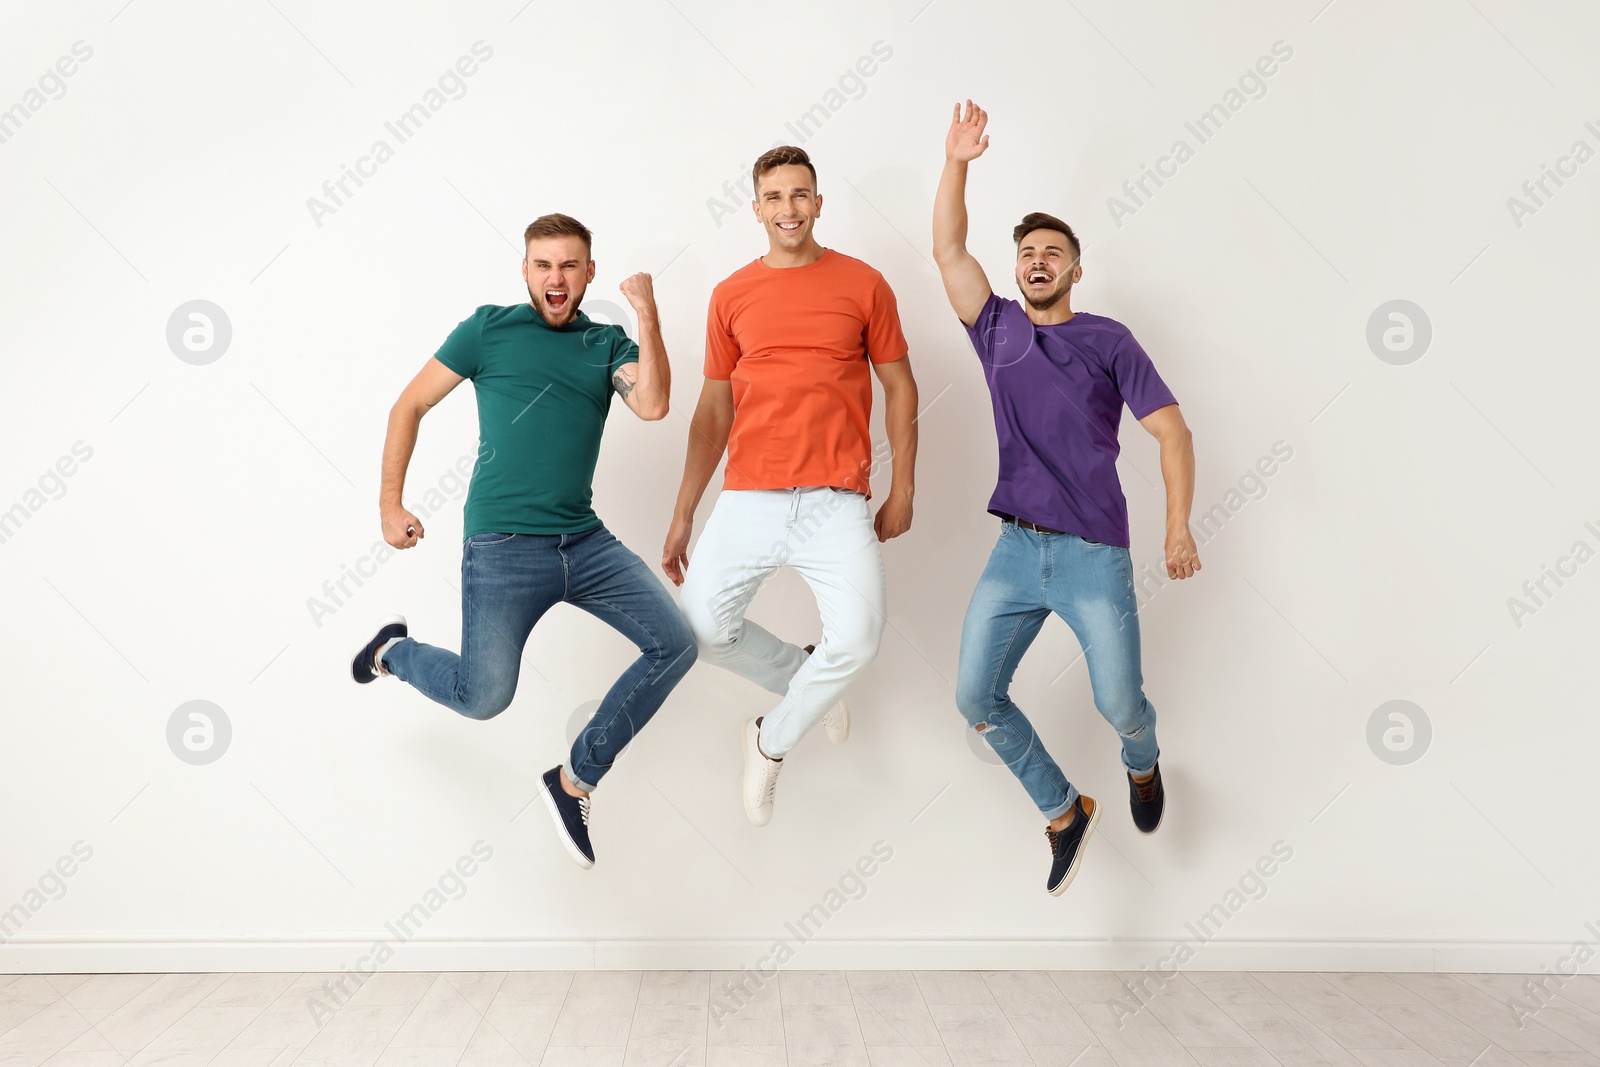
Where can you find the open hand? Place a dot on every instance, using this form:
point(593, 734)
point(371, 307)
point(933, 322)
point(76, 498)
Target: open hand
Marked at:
point(966, 140)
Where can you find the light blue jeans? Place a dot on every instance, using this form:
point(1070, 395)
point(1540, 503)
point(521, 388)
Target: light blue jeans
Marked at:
point(1088, 584)
point(508, 582)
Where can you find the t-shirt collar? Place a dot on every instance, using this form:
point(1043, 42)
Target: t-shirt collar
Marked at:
point(580, 319)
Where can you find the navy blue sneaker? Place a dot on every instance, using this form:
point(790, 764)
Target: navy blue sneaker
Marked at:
point(572, 818)
point(361, 665)
point(1148, 800)
point(1066, 846)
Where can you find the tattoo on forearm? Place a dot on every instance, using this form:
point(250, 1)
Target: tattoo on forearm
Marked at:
point(621, 384)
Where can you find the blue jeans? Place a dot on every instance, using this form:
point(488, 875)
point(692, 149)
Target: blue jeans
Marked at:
point(508, 582)
point(1090, 585)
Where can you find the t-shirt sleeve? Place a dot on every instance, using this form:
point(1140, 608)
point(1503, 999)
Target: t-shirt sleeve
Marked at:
point(722, 349)
point(623, 349)
point(1141, 387)
point(886, 342)
point(462, 351)
point(996, 334)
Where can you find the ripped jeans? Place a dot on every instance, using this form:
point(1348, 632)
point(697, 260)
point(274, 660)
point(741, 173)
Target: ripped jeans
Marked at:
point(1090, 585)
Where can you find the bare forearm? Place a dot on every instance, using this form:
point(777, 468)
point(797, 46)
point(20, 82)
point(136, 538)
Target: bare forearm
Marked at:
point(1177, 470)
point(655, 371)
point(950, 211)
point(900, 417)
point(708, 439)
point(398, 444)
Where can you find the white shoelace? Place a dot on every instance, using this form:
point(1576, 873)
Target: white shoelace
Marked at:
point(583, 809)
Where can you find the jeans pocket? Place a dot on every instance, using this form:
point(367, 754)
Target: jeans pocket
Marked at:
point(485, 540)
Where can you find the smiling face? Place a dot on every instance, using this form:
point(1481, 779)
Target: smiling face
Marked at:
point(557, 270)
point(1047, 268)
point(788, 206)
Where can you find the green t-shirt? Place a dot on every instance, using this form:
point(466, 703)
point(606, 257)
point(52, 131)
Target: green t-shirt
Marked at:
point(543, 396)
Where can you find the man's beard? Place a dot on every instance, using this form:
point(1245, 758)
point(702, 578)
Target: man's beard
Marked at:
point(538, 305)
point(1062, 289)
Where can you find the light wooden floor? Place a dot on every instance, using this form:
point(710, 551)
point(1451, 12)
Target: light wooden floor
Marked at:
point(876, 1018)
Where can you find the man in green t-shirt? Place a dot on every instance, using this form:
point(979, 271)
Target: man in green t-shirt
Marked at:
point(544, 374)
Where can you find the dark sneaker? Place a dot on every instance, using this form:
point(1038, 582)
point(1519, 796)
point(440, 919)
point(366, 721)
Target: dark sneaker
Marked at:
point(1148, 800)
point(572, 818)
point(1066, 846)
point(361, 665)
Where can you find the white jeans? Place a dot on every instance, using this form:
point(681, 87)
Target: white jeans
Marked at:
point(827, 536)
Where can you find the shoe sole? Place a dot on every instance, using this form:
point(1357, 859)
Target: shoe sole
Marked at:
point(561, 829)
point(843, 733)
point(744, 792)
point(388, 621)
point(1077, 861)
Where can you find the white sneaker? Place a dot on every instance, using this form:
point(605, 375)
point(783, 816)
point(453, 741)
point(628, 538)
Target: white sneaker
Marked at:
point(760, 776)
point(836, 718)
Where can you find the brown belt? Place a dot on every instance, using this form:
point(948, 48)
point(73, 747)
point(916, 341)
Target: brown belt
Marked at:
point(1026, 525)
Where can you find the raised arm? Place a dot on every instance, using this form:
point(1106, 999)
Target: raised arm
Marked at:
point(646, 386)
point(964, 281)
point(431, 385)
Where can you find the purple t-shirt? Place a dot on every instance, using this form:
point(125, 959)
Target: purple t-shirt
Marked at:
point(1058, 393)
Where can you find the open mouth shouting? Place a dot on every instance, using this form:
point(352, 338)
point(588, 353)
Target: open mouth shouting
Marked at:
point(1039, 277)
point(556, 299)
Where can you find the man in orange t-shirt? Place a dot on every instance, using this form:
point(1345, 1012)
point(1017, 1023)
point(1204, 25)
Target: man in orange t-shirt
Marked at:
point(789, 340)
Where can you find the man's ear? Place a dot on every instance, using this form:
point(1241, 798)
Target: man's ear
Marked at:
point(590, 276)
point(817, 214)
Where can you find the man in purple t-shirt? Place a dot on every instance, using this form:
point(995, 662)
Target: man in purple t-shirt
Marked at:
point(1059, 380)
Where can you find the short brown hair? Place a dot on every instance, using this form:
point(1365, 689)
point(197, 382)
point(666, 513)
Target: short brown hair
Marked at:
point(557, 225)
point(782, 156)
point(1038, 220)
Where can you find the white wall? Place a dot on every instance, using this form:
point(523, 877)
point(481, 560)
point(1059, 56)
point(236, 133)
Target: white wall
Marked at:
point(176, 563)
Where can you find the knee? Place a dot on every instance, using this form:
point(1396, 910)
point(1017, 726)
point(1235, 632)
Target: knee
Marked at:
point(680, 649)
point(703, 631)
point(853, 651)
point(972, 699)
point(1125, 711)
point(486, 703)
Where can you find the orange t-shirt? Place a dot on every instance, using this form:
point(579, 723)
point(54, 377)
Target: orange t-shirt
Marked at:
point(795, 342)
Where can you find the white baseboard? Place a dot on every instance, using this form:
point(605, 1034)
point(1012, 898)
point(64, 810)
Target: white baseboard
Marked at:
point(23, 955)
